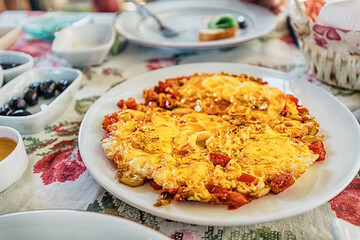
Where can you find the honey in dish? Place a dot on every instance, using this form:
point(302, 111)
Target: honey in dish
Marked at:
point(7, 145)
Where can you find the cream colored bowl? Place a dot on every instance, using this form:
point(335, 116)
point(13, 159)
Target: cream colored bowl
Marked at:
point(15, 164)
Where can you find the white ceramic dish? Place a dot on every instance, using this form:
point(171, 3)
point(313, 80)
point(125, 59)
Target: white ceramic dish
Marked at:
point(343, 230)
point(320, 183)
point(84, 45)
point(55, 106)
point(14, 165)
point(188, 17)
point(26, 61)
point(1, 76)
point(66, 224)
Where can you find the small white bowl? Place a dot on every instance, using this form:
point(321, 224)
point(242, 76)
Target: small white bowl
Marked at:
point(343, 230)
point(84, 45)
point(26, 61)
point(46, 111)
point(15, 164)
point(1, 77)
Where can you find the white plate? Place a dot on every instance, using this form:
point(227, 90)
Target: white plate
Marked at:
point(323, 181)
point(189, 16)
point(66, 224)
point(343, 230)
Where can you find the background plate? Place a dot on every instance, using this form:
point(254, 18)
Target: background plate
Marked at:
point(323, 181)
point(66, 224)
point(188, 15)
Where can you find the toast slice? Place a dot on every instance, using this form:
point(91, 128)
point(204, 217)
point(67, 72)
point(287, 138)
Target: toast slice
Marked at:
point(216, 34)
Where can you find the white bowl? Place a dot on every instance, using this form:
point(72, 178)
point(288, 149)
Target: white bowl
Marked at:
point(41, 116)
point(6, 56)
point(84, 45)
point(15, 164)
point(343, 230)
point(1, 76)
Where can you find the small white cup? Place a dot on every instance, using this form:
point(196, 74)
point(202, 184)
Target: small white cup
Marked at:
point(15, 164)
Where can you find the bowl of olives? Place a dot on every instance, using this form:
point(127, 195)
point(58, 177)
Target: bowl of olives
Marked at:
point(37, 97)
point(14, 63)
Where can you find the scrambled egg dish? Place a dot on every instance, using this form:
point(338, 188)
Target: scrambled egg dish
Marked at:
point(217, 138)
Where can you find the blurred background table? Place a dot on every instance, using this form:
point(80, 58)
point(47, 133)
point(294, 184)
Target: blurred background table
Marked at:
point(56, 177)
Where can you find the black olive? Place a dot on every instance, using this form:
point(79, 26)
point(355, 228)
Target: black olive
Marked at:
point(36, 87)
point(241, 22)
point(63, 84)
point(21, 112)
point(48, 88)
point(31, 96)
point(5, 110)
point(17, 103)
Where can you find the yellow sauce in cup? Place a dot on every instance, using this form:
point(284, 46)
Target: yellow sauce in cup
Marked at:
point(7, 145)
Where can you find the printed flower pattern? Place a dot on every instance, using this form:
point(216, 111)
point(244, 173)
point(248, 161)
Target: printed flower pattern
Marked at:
point(323, 34)
point(157, 63)
point(61, 165)
point(346, 205)
point(63, 162)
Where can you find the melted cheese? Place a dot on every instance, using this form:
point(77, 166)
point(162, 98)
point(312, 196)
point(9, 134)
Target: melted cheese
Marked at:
point(235, 116)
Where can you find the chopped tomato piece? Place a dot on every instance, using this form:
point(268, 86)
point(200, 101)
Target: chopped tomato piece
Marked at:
point(293, 98)
point(109, 120)
point(281, 182)
point(130, 103)
point(247, 178)
point(217, 191)
point(237, 200)
point(161, 87)
point(152, 104)
point(264, 83)
point(318, 148)
point(219, 159)
point(302, 109)
point(121, 103)
point(154, 185)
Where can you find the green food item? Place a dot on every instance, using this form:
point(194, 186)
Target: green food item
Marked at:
point(222, 21)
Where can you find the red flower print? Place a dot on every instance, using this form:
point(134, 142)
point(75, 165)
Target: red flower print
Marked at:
point(320, 42)
point(331, 32)
point(320, 29)
point(333, 35)
point(347, 204)
point(34, 47)
point(157, 63)
point(62, 165)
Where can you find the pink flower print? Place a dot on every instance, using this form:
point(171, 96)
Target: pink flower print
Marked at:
point(157, 63)
point(320, 29)
point(331, 32)
point(320, 42)
point(333, 35)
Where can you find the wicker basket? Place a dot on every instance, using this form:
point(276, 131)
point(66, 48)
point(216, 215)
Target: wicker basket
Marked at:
point(340, 69)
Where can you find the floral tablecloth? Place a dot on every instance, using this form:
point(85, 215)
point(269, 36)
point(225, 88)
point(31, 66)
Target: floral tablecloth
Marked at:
point(56, 177)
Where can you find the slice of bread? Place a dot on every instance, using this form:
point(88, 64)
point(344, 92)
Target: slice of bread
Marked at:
point(216, 34)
